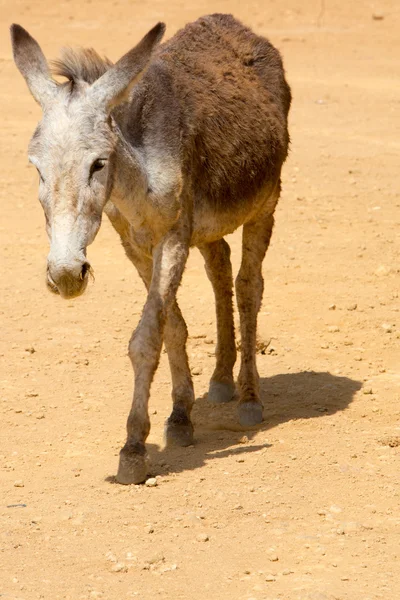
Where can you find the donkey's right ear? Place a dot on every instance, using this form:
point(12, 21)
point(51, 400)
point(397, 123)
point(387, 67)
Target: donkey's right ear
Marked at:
point(32, 64)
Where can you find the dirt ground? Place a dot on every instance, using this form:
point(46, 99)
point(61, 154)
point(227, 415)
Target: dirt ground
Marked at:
point(306, 507)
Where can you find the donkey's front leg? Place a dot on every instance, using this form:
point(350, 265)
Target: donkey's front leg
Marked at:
point(145, 347)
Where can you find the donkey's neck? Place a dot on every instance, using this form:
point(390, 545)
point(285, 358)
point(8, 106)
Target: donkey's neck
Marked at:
point(130, 182)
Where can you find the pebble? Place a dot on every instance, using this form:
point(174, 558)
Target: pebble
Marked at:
point(196, 371)
point(244, 440)
point(119, 568)
point(378, 16)
point(333, 328)
point(352, 307)
point(382, 271)
point(157, 558)
point(387, 328)
point(111, 557)
point(202, 537)
point(273, 557)
point(151, 482)
point(19, 483)
point(332, 307)
point(270, 578)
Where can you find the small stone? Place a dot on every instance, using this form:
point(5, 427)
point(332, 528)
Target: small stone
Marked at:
point(367, 391)
point(151, 482)
point(244, 440)
point(387, 328)
point(196, 371)
point(111, 557)
point(383, 271)
point(333, 329)
point(19, 483)
point(378, 16)
point(273, 557)
point(202, 537)
point(149, 529)
point(31, 350)
point(324, 346)
point(119, 568)
point(287, 572)
point(332, 307)
point(270, 578)
point(352, 307)
point(40, 416)
point(157, 558)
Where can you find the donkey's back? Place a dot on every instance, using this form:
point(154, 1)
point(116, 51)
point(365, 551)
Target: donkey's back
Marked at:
point(220, 95)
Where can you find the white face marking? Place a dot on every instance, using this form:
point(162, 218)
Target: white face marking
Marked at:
point(72, 149)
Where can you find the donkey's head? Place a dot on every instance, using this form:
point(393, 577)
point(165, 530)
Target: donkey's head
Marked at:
point(73, 146)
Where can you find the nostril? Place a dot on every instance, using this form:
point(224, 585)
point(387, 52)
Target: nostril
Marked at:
point(85, 270)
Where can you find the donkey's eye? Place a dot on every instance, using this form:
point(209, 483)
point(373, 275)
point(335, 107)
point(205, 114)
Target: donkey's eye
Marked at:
point(98, 165)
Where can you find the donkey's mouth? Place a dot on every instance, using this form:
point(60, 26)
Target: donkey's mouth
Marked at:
point(68, 286)
point(51, 286)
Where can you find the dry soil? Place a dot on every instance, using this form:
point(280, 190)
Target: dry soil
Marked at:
point(306, 507)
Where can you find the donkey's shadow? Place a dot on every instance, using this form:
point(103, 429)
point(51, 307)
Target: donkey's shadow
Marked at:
point(287, 397)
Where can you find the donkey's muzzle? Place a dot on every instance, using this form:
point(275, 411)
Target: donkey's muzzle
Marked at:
point(69, 281)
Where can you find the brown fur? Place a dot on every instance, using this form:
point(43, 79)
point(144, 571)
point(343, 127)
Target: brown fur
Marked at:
point(192, 136)
point(225, 70)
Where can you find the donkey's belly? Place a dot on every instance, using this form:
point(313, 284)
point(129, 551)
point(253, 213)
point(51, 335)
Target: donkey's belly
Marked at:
point(211, 224)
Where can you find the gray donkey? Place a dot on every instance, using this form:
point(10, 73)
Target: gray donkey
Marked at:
point(179, 144)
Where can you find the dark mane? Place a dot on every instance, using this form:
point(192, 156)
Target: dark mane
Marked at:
point(80, 64)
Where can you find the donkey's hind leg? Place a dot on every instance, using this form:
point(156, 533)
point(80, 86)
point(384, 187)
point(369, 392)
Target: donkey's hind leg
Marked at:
point(249, 290)
point(178, 428)
point(219, 271)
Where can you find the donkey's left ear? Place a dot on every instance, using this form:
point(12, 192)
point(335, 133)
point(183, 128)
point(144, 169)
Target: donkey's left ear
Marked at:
point(114, 86)
point(32, 64)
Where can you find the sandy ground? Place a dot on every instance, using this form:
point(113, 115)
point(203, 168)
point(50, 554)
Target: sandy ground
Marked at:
point(307, 507)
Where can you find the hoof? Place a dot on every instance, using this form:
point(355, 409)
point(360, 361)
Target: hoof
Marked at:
point(250, 413)
point(178, 434)
point(132, 466)
point(219, 393)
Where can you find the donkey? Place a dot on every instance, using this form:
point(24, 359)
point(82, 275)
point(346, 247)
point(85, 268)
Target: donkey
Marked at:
point(179, 144)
